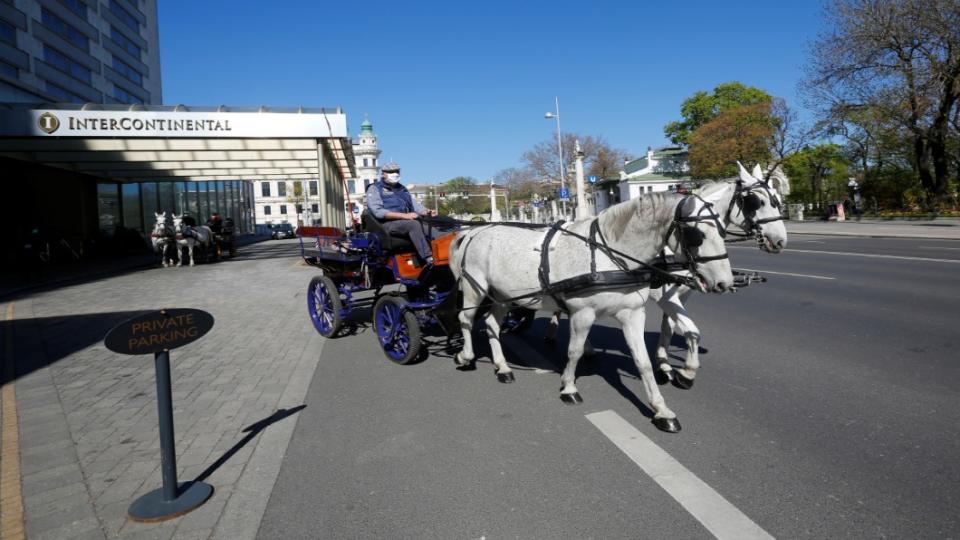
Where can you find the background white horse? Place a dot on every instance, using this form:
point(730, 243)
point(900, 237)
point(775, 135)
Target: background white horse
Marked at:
point(162, 238)
point(754, 210)
point(201, 236)
point(500, 262)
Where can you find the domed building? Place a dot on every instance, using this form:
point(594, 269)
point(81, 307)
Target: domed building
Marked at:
point(366, 152)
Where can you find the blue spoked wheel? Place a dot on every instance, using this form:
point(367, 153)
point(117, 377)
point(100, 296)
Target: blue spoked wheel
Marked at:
point(518, 320)
point(323, 302)
point(397, 330)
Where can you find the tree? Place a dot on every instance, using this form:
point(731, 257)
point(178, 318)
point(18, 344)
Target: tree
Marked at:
point(819, 174)
point(599, 158)
point(702, 107)
point(901, 60)
point(297, 197)
point(456, 203)
point(738, 134)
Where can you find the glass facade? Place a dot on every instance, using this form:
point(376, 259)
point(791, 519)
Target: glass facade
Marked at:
point(134, 205)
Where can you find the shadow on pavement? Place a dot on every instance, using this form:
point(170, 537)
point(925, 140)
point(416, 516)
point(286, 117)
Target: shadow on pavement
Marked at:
point(41, 342)
point(251, 431)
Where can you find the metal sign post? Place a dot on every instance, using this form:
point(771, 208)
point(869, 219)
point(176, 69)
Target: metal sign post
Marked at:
point(159, 332)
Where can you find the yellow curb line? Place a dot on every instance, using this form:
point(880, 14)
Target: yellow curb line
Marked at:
point(11, 505)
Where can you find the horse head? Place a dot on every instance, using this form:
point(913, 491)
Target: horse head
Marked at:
point(699, 241)
point(756, 209)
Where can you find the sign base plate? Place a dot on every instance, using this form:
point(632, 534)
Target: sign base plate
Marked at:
point(152, 508)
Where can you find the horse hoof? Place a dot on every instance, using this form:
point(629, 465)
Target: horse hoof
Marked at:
point(663, 377)
point(670, 425)
point(682, 382)
point(458, 360)
point(571, 399)
point(506, 377)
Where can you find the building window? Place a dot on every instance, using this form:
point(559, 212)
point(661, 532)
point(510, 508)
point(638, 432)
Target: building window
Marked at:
point(123, 96)
point(315, 208)
point(8, 70)
point(351, 186)
point(62, 94)
point(283, 209)
point(8, 33)
point(282, 191)
point(266, 210)
point(64, 30)
point(265, 189)
point(313, 188)
point(124, 16)
point(58, 60)
point(127, 71)
point(76, 6)
point(366, 162)
point(125, 43)
point(374, 162)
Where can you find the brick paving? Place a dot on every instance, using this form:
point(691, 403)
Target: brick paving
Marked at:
point(88, 434)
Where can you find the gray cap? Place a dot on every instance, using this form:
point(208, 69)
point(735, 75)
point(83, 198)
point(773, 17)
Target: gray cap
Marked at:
point(390, 166)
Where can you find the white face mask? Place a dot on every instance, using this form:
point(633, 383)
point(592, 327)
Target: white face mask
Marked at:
point(392, 178)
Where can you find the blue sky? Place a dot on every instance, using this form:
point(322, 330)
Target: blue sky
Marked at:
point(457, 88)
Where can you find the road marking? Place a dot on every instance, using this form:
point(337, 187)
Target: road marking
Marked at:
point(936, 247)
point(869, 255)
point(811, 276)
point(11, 504)
point(721, 518)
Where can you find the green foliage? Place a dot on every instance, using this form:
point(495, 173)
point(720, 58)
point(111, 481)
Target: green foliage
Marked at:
point(818, 174)
point(455, 203)
point(702, 107)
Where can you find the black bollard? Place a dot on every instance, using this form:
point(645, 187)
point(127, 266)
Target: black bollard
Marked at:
point(172, 499)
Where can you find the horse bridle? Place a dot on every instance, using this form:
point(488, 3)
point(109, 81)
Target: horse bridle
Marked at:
point(749, 202)
point(690, 237)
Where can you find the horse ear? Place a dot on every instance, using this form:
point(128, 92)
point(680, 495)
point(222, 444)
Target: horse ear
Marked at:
point(757, 172)
point(744, 175)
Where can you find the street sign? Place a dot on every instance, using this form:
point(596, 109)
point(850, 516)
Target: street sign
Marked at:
point(159, 331)
point(592, 179)
point(536, 204)
point(564, 194)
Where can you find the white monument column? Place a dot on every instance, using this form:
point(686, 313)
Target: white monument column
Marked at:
point(582, 209)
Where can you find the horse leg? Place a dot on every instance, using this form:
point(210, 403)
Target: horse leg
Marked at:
point(580, 323)
point(471, 299)
point(676, 319)
point(494, 316)
point(687, 373)
point(633, 324)
point(190, 249)
point(179, 254)
point(666, 333)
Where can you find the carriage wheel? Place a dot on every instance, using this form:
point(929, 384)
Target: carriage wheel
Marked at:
point(323, 302)
point(397, 330)
point(518, 320)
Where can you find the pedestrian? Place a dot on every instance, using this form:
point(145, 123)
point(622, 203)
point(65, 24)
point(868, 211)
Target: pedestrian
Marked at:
point(391, 204)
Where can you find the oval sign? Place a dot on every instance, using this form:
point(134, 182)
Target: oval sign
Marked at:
point(159, 331)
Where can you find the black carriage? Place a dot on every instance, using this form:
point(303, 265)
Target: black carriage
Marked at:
point(353, 262)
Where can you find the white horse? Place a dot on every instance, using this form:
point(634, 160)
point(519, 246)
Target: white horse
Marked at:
point(162, 238)
point(190, 236)
point(754, 211)
point(501, 263)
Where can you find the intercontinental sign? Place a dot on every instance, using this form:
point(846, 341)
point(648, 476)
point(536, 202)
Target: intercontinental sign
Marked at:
point(168, 124)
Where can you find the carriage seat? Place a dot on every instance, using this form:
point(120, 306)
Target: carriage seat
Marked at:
point(391, 244)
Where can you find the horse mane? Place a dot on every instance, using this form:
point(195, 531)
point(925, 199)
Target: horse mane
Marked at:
point(647, 206)
point(711, 187)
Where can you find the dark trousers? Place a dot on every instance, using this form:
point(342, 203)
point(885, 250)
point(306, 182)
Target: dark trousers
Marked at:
point(417, 231)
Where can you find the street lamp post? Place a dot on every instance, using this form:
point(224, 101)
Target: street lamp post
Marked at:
point(559, 150)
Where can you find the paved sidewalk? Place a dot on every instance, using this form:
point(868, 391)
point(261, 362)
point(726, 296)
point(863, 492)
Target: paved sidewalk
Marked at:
point(88, 434)
point(943, 228)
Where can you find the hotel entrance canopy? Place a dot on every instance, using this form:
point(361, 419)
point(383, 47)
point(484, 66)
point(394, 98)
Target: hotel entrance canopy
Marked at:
point(166, 144)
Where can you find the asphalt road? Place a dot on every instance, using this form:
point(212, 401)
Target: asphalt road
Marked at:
point(826, 407)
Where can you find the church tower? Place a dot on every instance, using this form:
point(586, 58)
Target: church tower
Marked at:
point(367, 153)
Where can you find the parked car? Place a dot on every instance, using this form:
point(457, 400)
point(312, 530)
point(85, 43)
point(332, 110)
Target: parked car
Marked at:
point(283, 230)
